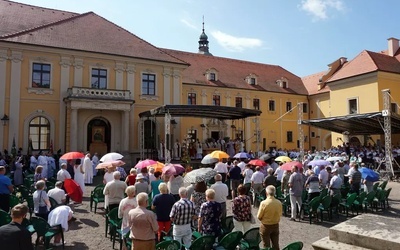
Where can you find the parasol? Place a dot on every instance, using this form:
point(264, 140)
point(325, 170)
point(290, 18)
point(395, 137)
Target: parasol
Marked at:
point(205, 174)
point(265, 157)
point(335, 158)
point(219, 154)
point(242, 155)
point(72, 156)
point(289, 165)
point(369, 174)
point(145, 163)
point(283, 159)
point(73, 190)
point(110, 164)
point(158, 166)
point(319, 163)
point(209, 160)
point(257, 162)
point(111, 157)
point(173, 169)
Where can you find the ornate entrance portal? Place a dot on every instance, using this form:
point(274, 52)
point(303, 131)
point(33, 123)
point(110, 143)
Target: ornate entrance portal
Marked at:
point(99, 136)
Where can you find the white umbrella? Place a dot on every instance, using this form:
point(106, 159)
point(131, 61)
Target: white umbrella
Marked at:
point(208, 160)
point(335, 158)
point(201, 174)
point(111, 157)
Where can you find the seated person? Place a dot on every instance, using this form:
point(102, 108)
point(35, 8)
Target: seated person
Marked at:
point(57, 193)
point(60, 216)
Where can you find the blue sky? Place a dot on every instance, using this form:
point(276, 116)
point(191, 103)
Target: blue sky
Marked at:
point(302, 36)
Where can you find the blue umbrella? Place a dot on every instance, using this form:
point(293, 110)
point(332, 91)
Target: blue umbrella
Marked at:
point(242, 155)
point(319, 163)
point(369, 174)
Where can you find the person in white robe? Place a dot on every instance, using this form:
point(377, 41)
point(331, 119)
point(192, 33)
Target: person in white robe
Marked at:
point(95, 162)
point(88, 168)
point(42, 161)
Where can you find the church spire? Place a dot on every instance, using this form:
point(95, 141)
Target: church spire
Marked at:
point(203, 43)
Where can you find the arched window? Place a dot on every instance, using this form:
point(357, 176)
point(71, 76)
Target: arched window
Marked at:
point(39, 133)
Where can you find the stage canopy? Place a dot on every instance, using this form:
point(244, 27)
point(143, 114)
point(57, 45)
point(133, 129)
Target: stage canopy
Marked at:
point(203, 111)
point(356, 124)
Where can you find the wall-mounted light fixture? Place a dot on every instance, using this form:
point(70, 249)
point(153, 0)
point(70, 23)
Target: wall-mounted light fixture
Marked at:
point(5, 120)
point(202, 125)
point(233, 126)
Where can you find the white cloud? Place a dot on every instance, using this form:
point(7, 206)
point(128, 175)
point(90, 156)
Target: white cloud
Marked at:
point(188, 24)
point(319, 8)
point(235, 44)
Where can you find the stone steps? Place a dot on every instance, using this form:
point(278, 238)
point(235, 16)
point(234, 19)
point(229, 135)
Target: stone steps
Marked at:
point(327, 244)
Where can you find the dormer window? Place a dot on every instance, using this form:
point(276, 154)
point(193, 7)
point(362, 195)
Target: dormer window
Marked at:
point(211, 74)
point(283, 82)
point(251, 79)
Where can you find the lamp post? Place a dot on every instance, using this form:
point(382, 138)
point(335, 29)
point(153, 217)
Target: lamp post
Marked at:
point(5, 120)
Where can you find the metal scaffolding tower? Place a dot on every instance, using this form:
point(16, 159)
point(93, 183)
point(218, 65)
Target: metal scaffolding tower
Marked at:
point(168, 143)
point(387, 127)
point(300, 129)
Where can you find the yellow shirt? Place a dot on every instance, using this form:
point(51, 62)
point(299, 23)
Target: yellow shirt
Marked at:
point(270, 211)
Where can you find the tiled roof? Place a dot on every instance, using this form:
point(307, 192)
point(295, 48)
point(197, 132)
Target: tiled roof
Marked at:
point(15, 17)
point(232, 73)
point(367, 62)
point(311, 83)
point(88, 32)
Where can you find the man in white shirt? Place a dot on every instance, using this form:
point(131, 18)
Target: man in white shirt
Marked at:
point(257, 180)
point(57, 193)
point(222, 169)
point(63, 173)
point(242, 165)
point(115, 191)
point(323, 177)
point(221, 192)
point(42, 161)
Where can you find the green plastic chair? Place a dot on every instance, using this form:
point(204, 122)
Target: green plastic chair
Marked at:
point(96, 196)
point(14, 200)
point(294, 246)
point(387, 193)
point(112, 221)
point(5, 218)
point(203, 243)
point(169, 245)
point(53, 203)
point(43, 229)
point(311, 208)
point(230, 241)
point(286, 205)
point(375, 186)
point(227, 225)
point(380, 199)
point(358, 203)
point(368, 201)
point(349, 203)
point(323, 193)
point(383, 185)
point(325, 206)
point(28, 225)
point(24, 191)
point(336, 199)
point(251, 239)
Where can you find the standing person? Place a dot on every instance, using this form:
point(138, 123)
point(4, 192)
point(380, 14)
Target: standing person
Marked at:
point(323, 177)
point(257, 183)
point(95, 162)
point(296, 190)
point(162, 204)
point(336, 183)
point(114, 190)
point(221, 192)
point(247, 173)
point(126, 205)
point(209, 221)
point(70, 168)
point(198, 196)
point(155, 184)
point(14, 236)
point(38, 174)
point(270, 179)
point(108, 176)
point(143, 224)
point(313, 186)
point(241, 209)
point(174, 183)
point(79, 174)
point(63, 174)
point(222, 169)
point(234, 175)
point(182, 214)
point(42, 161)
point(88, 169)
point(41, 203)
point(6, 188)
point(18, 176)
point(355, 178)
point(269, 214)
point(131, 178)
point(141, 185)
point(33, 162)
point(279, 174)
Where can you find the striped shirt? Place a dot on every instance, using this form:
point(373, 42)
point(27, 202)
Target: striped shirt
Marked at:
point(182, 212)
point(355, 177)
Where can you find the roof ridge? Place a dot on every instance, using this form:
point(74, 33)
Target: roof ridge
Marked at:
point(372, 58)
point(141, 39)
point(22, 32)
point(30, 5)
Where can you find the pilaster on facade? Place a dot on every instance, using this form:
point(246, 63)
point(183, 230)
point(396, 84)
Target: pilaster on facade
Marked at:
point(73, 141)
point(65, 63)
point(119, 75)
point(3, 77)
point(131, 70)
point(167, 86)
point(15, 90)
point(78, 72)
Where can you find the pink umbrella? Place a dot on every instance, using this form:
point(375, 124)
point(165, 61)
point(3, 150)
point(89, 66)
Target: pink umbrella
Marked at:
point(173, 169)
point(289, 165)
point(257, 162)
point(110, 164)
point(145, 163)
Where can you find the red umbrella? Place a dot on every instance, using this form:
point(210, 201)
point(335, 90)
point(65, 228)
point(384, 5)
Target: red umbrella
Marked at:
point(72, 155)
point(173, 169)
point(289, 165)
point(258, 162)
point(73, 190)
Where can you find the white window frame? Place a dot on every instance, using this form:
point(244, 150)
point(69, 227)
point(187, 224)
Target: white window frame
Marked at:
point(40, 91)
point(274, 105)
point(211, 71)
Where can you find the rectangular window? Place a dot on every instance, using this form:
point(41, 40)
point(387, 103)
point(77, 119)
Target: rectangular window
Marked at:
point(216, 100)
point(353, 109)
point(289, 136)
point(256, 104)
point(313, 134)
point(238, 102)
point(394, 107)
point(288, 106)
point(212, 76)
point(191, 98)
point(41, 75)
point(148, 84)
point(99, 78)
point(253, 81)
point(305, 107)
point(271, 105)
